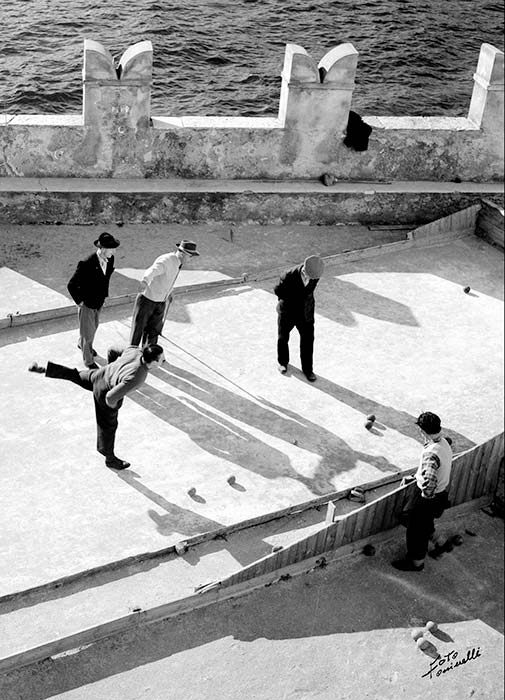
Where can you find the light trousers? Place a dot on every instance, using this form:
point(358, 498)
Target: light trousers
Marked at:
point(89, 320)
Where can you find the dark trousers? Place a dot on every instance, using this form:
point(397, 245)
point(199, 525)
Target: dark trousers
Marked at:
point(419, 517)
point(147, 321)
point(285, 324)
point(106, 417)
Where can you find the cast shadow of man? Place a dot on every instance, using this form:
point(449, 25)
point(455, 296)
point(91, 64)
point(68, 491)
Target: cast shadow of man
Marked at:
point(207, 413)
point(340, 300)
point(387, 416)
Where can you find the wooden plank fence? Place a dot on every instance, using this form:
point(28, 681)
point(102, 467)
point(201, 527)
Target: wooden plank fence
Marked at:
point(474, 474)
point(490, 223)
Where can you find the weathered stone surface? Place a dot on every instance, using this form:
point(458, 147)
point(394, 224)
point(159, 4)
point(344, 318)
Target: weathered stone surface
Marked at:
point(305, 141)
point(184, 207)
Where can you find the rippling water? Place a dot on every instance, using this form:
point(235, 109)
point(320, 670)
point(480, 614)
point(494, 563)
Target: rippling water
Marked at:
point(224, 57)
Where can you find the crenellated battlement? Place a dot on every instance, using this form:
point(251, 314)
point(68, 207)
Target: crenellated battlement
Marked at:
point(118, 136)
point(117, 93)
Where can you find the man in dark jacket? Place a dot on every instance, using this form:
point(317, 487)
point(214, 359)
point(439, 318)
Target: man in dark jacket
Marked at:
point(296, 308)
point(89, 287)
point(126, 370)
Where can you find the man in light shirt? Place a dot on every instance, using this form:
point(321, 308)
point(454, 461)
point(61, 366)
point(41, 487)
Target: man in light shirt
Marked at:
point(429, 495)
point(153, 300)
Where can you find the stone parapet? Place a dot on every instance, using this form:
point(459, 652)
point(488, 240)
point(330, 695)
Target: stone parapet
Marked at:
point(117, 136)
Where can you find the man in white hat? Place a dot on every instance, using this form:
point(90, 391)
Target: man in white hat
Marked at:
point(154, 298)
point(296, 308)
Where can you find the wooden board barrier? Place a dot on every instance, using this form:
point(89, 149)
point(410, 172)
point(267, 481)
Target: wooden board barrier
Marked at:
point(474, 473)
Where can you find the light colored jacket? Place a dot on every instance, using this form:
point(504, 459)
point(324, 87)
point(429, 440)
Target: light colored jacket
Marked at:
point(434, 471)
point(123, 375)
point(160, 277)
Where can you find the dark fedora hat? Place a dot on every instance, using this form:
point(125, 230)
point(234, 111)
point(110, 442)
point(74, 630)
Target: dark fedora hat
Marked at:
point(187, 247)
point(105, 240)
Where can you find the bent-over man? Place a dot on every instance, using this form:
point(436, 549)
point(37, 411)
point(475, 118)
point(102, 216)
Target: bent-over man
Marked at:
point(295, 292)
point(126, 370)
point(429, 496)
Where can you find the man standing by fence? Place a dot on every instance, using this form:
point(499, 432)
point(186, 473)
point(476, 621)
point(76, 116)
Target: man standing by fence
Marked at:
point(429, 496)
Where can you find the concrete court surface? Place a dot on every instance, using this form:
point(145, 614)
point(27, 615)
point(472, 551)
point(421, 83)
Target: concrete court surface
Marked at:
point(394, 335)
point(47, 255)
point(343, 631)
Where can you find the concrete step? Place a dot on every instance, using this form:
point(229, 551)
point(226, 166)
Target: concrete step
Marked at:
point(63, 615)
point(66, 621)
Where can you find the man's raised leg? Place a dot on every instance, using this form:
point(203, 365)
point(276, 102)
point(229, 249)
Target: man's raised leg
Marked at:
point(55, 371)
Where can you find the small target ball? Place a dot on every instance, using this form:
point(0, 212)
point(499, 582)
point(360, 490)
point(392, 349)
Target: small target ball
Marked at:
point(431, 626)
point(369, 424)
point(466, 289)
point(457, 540)
point(371, 417)
point(192, 491)
point(416, 634)
point(423, 643)
point(231, 480)
point(369, 550)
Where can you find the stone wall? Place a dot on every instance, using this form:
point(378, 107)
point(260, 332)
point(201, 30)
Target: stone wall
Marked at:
point(117, 136)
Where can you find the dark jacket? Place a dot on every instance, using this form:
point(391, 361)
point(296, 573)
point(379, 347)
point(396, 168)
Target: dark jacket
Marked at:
point(89, 284)
point(296, 299)
point(358, 132)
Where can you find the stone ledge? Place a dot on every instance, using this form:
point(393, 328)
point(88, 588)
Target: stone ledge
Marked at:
point(420, 123)
point(216, 123)
point(193, 186)
point(42, 120)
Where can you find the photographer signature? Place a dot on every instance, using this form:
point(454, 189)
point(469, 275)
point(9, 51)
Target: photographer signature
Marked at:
point(450, 661)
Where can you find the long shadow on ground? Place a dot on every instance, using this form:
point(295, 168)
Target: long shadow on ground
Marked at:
point(209, 416)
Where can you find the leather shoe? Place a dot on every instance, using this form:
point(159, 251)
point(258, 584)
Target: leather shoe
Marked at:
point(406, 565)
point(440, 549)
point(34, 367)
point(116, 463)
point(311, 377)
